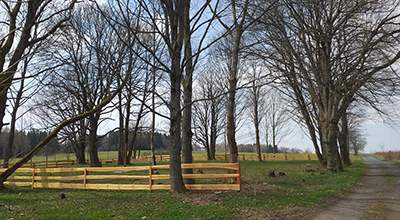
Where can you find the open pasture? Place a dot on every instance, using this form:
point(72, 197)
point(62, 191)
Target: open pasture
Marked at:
point(303, 186)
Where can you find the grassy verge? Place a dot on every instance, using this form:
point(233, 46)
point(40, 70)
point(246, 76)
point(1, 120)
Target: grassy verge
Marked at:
point(262, 196)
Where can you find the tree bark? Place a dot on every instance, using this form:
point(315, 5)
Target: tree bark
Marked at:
point(231, 127)
point(187, 134)
point(80, 146)
point(344, 141)
point(329, 143)
point(80, 153)
point(121, 149)
point(94, 157)
point(175, 128)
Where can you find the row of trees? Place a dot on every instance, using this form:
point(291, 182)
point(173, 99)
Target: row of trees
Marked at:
point(201, 66)
point(24, 142)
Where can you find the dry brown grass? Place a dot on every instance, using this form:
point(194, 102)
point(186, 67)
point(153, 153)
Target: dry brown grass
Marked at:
point(391, 155)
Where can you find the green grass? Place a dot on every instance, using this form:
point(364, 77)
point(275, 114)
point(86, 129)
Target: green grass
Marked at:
point(261, 196)
point(109, 154)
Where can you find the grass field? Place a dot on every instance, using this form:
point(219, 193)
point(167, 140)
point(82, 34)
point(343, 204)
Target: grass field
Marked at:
point(261, 196)
point(102, 155)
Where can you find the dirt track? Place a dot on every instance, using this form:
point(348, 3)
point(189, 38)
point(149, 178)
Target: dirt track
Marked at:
point(377, 196)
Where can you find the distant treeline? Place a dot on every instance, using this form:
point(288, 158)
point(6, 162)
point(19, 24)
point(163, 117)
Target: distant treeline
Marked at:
point(25, 141)
point(142, 141)
point(251, 148)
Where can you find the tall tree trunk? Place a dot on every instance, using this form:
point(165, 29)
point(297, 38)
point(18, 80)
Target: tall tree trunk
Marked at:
point(175, 129)
point(258, 145)
point(93, 153)
point(266, 134)
point(80, 153)
point(126, 130)
point(187, 134)
point(121, 149)
point(138, 119)
point(213, 130)
point(208, 150)
point(79, 148)
point(274, 147)
point(3, 102)
point(329, 143)
point(10, 144)
point(231, 127)
point(153, 114)
point(344, 140)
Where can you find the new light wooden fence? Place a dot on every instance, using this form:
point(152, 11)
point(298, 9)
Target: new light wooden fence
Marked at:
point(125, 178)
point(55, 163)
point(196, 157)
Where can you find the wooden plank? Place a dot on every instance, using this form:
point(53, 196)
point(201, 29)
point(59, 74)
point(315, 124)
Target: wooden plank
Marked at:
point(58, 185)
point(59, 170)
point(229, 166)
point(20, 178)
point(160, 177)
point(117, 186)
point(23, 170)
point(109, 169)
point(99, 177)
point(161, 187)
point(159, 167)
point(18, 183)
point(233, 187)
point(209, 176)
point(79, 177)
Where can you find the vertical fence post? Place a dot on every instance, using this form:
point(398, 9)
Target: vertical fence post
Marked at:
point(285, 156)
point(151, 181)
point(308, 155)
point(238, 178)
point(244, 158)
point(160, 157)
point(34, 174)
point(85, 180)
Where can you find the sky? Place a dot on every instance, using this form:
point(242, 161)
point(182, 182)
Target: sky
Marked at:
point(377, 134)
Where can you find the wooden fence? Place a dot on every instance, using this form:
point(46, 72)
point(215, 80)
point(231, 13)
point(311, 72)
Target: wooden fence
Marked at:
point(126, 178)
point(241, 157)
point(196, 157)
point(55, 163)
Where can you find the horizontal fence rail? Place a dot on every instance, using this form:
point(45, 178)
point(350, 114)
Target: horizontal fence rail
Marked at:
point(127, 178)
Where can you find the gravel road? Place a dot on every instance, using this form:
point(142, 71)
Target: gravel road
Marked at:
point(377, 196)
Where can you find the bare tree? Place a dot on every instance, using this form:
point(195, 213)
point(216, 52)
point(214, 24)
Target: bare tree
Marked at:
point(28, 23)
point(239, 20)
point(277, 118)
point(16, 105)
point(168, 19)
point(208, 114)
point(326, 52)
point(357, 141)
point(256, 100)
point(90, 61)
